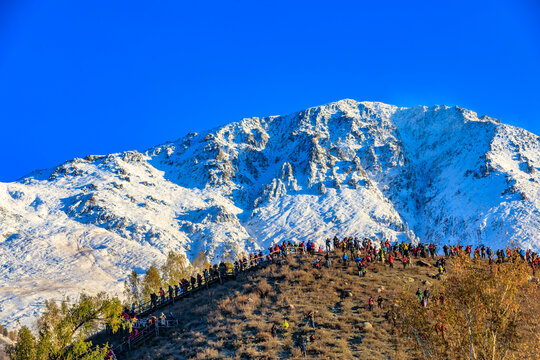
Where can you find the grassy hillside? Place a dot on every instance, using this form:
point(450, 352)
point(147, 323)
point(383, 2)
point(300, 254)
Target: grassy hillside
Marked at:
point(234, 320)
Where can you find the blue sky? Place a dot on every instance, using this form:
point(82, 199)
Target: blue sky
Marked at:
point(95, 77)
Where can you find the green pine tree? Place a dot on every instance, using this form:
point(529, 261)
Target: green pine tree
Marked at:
point(151, 282)
point(175, 268)
point(25, 347)
point(63, 329)
point(133, 288)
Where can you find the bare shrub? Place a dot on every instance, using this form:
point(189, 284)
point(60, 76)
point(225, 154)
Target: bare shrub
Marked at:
point(485, 314)
point(263, 288)
point(263, 336)
point(208, 353)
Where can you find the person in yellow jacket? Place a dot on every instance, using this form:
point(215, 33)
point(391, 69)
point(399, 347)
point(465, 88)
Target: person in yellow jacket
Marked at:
point(441, 271)
point(285, 325)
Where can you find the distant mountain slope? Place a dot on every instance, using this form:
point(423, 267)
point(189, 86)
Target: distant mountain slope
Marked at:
point(437, 174)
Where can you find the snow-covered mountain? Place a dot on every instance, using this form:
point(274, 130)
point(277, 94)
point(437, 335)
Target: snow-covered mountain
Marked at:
point(438, 174)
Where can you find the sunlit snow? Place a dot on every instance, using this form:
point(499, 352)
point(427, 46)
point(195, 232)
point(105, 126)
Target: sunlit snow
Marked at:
point(435, 174)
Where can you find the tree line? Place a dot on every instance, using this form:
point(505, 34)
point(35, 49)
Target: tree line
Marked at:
point(137, 288)
point(63, 330)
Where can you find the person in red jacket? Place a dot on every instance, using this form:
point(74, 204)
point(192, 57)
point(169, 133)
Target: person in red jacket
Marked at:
point(391, 260)
point(440, 328)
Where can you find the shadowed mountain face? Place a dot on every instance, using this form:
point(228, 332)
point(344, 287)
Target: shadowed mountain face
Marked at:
point(435, 174)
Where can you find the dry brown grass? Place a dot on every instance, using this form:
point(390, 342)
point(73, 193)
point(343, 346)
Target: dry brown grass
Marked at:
point(234, 320)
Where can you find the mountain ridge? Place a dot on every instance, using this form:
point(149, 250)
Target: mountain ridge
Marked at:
point(435, 174)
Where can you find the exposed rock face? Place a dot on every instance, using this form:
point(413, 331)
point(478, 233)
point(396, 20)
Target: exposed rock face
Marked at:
point(437, 174)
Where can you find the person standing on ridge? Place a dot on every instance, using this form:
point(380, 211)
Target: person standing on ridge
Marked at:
point(419, 294)
point(162, 294)
point(404, 260)
point(345, 259)
point(426, 294)
point(327, 258)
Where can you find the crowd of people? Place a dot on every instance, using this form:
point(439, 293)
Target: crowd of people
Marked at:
point(349, 249)
point(362, 252)
point(366, 251)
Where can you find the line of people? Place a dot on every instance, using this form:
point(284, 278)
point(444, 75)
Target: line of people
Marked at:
point(362, 251)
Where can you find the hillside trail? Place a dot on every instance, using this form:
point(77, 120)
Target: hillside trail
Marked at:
point(340, 304)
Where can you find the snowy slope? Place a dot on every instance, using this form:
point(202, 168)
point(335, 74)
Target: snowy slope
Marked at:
point(436, 174)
